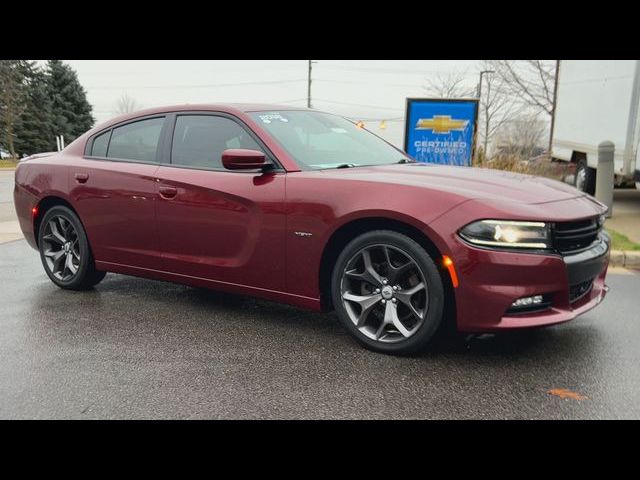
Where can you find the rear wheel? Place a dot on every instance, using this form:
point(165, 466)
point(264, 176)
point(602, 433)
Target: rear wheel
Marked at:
point(585, 179)
point(388, 293)
point(65, 252)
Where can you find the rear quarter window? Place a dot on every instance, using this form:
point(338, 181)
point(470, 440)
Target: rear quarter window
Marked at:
point(100, 145)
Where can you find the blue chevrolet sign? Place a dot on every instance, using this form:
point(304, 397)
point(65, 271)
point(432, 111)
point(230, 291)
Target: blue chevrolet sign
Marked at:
point(441, 131)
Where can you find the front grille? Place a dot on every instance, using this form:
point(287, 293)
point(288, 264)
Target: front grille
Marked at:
point(579, 290)
point(574, 236)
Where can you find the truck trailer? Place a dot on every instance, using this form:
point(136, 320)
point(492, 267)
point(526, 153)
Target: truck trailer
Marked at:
point(598, 100)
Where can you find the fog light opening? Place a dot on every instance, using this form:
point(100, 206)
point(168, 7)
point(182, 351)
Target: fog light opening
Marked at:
point(533, 303)
point(528, 301)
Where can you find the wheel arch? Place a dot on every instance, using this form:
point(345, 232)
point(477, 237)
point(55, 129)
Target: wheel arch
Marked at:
point(46, 204)
point(350, 230)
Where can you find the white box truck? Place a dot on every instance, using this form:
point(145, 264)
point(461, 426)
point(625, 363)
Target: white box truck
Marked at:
point(598, 100)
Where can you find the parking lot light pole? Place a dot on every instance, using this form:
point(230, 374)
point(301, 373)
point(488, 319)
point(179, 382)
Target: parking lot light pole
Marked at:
point(480, 83)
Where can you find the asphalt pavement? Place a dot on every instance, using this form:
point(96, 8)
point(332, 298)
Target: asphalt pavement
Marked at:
point(135, 348)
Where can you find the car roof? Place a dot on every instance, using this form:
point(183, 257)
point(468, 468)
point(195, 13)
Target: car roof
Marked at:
point(225, 107)
point(232, 108)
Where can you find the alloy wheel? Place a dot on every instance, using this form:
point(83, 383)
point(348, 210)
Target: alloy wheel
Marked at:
point(384, 293)
point(61, 248)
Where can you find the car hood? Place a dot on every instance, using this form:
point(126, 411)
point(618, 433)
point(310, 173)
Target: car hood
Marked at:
point(468, 183)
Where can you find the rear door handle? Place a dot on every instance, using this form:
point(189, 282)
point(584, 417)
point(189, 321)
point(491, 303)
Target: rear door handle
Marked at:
point(82, 177)
point(168, 192)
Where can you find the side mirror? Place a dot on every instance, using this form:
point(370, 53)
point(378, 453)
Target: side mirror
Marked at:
point(241, 159)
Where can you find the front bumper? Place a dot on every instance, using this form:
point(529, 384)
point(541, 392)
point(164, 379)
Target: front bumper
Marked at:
point(491, 280)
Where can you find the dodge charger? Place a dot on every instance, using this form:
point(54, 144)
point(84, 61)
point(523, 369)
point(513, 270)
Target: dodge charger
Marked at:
point(307, 208)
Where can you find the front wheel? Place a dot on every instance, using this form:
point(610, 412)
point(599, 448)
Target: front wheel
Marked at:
point(64, 250)
point(388, 293)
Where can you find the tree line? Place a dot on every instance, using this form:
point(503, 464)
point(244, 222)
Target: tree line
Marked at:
point(39, 103)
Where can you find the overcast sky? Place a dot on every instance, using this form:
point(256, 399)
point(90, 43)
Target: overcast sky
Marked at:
point(371, 89)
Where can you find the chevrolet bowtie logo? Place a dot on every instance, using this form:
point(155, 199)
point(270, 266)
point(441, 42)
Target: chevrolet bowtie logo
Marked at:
point(441, 124)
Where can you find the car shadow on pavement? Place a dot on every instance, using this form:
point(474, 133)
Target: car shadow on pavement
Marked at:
point(177, 306)
point(579, 342)
point(150, 300)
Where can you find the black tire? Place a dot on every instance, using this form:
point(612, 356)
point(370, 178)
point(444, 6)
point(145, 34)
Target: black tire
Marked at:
point(86, 276)
point(424, 268)
point(585, 178)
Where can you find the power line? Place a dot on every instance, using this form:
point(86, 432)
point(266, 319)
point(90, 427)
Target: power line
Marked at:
point(289, 101)
point(276, 102)
point(220, 70)
point(376, 119)
point(377, 107)
point(213, 85)
point(389, 70)
point(404, 85)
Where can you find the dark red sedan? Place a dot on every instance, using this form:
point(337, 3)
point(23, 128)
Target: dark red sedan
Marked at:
point(304, 207)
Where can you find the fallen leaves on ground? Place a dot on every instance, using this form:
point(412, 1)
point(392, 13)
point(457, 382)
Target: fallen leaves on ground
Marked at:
point(564, 393)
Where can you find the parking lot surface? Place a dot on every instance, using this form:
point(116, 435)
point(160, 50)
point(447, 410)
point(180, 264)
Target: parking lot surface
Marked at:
point(135, 348)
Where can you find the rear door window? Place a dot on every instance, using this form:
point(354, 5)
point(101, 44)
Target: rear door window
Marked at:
point(136, 141)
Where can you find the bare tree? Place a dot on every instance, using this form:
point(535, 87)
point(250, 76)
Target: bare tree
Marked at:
point(496, 109)
point(531, 81)
point(126, 104)
point(521, 136)
point(450, 85)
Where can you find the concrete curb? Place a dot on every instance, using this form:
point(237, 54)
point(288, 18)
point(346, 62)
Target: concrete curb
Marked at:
point(622, 258)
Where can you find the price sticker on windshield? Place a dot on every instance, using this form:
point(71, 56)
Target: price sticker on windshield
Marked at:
point(270, 117)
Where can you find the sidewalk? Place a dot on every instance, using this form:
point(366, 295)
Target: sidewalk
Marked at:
point(9, 227)
point(626, 214)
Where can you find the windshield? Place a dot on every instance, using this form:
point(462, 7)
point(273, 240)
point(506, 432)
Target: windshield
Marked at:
point(321, 140)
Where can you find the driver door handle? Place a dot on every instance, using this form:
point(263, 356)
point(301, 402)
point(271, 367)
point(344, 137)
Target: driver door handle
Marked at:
point(82, 177)
point(168, 192)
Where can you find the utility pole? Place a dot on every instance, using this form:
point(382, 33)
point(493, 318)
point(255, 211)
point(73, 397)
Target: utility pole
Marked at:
point(309, 84)
point(553, 107)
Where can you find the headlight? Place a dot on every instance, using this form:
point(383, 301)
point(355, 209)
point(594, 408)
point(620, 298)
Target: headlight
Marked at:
point(505, 233)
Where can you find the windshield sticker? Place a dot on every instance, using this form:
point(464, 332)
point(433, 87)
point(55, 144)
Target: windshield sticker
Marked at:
point(268, 118)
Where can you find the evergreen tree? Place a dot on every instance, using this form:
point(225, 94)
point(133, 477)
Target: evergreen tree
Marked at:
point(34, 130)
point(71, 110)
point(12, 93)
